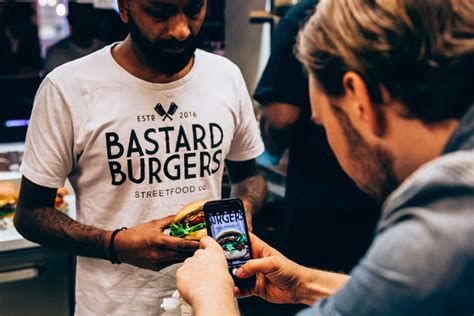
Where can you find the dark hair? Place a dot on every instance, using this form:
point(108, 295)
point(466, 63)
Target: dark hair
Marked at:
point(422, 52)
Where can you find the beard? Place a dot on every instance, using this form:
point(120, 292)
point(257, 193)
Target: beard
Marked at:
point(154, 53)
point(377, 178)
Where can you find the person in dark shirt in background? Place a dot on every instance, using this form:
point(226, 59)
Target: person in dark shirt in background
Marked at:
point(19, 41)
point(83, 39)
point(324, 208)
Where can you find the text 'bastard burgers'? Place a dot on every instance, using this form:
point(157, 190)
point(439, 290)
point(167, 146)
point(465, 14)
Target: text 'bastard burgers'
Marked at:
point(186, 153)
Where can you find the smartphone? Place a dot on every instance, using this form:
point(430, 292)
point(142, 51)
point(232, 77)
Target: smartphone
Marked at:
point(226, 223)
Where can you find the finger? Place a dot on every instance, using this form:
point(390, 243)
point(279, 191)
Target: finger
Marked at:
point(169, 255)
point(169, 258)
point(164, 264)
point(208, 242)
point(257, 246)
point(243, 293)
point(250, 224)
point(252, 267)
point(255, 239)
point(260, 248)
point(236, 291)
point(177, 244)
point(165, 222)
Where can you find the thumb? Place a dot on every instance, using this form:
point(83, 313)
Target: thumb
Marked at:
point(208, 242)
point(165, 221)
point(252, 267)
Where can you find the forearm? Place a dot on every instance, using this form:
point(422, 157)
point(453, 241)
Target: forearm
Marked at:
point(252, 192)
point(317, 284)
point(216, 305)
point(276, 140)
point(51, 228)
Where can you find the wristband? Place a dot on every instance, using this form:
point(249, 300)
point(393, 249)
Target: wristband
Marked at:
point(112, 255)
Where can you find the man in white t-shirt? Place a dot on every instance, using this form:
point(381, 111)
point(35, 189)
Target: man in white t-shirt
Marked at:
point(140, 128)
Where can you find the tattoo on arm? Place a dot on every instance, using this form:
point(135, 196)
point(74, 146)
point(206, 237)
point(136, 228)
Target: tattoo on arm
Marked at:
point(252, 191)
point(51, 228)
point(37, 220)
point(247, 184)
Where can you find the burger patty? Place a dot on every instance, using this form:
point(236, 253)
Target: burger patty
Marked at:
point(193, 219)
point(227, 240)
point(239, 247)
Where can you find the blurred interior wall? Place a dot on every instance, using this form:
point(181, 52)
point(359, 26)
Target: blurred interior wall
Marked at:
point(247, 45)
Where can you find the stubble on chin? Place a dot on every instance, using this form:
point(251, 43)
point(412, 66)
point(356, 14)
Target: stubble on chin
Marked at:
point(373, 164)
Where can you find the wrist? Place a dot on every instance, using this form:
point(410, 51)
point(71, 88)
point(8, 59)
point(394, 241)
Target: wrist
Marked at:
point(115, 245)
point(106, 236)
point(215, 301)
point(307, 292)
point(314, 285)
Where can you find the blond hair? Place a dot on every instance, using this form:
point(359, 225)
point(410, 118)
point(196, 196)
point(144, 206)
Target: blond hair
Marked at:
point(422, 51)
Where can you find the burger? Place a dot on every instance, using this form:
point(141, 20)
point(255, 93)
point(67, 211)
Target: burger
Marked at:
point(8, 198)
point(233, 242)
point(189, 223)
point(60, 203)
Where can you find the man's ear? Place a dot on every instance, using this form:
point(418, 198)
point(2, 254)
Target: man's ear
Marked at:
point(364, 108)
point(123, 9)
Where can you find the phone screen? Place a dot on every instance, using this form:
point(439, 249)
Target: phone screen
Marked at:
point(226, 223)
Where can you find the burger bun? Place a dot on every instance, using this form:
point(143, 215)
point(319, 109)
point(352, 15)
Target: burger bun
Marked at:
point(189, 209)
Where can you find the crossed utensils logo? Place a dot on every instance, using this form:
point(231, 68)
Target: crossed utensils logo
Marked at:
point(166, 114)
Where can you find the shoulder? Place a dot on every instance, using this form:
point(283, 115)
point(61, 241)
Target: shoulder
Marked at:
point(447, 177)
point(222, 72)
point(428, 220)
point(84, 69)
point(216, 63)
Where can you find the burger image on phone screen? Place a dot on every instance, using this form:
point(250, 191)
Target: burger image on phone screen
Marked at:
point(189, 223)
point(233, 242)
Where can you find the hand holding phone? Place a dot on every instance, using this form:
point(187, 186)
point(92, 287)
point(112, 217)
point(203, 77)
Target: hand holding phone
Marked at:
point(226, 223)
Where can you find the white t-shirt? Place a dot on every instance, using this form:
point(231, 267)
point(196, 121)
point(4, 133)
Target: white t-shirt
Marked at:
point(135, 151)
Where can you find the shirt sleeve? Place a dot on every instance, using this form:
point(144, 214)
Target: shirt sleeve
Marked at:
point(402, 274)
point(247, 143)
point(48, 158)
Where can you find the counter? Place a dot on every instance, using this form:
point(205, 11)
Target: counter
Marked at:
point(33, 280)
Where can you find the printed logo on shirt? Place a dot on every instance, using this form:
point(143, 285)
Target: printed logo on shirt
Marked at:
point(166, 114)
point(163, 154)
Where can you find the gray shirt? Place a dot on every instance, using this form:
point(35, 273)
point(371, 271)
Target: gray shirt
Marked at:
point(65, 51)
point(421, 261)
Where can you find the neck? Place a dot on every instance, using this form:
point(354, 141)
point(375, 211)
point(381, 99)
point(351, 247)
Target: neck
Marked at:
point(131, 59)
point(419, 143)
